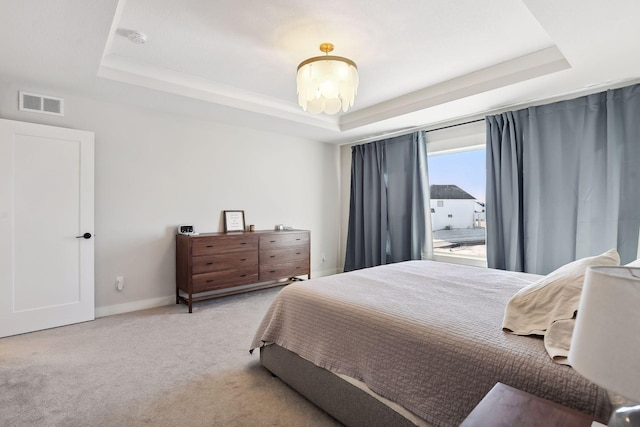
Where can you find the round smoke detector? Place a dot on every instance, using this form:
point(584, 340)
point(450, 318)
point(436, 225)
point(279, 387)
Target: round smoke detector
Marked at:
point(137, 37)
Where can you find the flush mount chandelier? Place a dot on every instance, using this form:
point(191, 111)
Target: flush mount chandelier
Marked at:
point(327, 83)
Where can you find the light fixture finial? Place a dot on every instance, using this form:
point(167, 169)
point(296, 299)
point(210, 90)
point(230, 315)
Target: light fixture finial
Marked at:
point(326, 48)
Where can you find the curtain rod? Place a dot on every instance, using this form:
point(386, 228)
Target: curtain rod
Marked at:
point(457, 124)
point(406, 131)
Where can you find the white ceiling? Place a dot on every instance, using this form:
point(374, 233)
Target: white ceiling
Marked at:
point(421, 62)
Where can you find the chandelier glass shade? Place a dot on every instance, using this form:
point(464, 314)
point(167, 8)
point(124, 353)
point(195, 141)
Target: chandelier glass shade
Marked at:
point(327, 84)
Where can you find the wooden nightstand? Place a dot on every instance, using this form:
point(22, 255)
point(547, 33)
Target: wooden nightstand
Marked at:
point(505, 406)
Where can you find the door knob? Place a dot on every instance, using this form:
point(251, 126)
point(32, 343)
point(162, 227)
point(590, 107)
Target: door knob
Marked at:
point(84, 236)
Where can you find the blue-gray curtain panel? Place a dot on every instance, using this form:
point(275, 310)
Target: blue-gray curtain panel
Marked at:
point(563, 181)
point(388, 205)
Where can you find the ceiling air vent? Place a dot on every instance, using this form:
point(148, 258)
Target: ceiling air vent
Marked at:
point(41, 104)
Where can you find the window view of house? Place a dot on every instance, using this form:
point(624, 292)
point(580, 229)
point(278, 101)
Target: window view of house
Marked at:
point(457, 188)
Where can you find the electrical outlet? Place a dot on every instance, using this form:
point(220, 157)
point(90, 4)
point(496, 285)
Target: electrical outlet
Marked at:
point(324, 257)
point(119, 282)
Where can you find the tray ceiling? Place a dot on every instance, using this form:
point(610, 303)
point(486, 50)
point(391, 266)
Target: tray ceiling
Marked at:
point(421, 62)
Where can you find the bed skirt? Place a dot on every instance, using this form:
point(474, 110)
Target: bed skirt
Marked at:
point(342, 400)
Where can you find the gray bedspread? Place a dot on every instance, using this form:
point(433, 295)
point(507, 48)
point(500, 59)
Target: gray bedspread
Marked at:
point(424, 334)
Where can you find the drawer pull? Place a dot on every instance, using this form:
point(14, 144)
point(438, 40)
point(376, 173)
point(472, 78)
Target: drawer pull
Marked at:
point(210, 280)
point(297, 239)
point(297, 268)
point(243, 259)
point(209, 263)
point(243, 275)
point(272, 256)
point(272, 271)
point(243, 243)
point(297, 253)
point(272, 241)
point(209, 246)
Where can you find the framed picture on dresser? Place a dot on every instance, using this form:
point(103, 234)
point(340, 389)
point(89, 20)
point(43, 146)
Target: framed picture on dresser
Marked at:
point(233, 221)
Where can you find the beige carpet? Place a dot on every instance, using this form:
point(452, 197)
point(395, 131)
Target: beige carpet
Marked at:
point(158, 367)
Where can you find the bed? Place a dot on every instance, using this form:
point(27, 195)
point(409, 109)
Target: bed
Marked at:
point(412, 343)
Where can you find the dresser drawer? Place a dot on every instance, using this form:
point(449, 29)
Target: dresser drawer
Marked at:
point(224, 279)
point(284, 270)
point(223, 244)
point(275, 240)
point(229, 261)
point(277, 256)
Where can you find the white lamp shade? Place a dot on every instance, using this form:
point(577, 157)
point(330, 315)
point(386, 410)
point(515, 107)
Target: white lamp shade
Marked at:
point(605, 347)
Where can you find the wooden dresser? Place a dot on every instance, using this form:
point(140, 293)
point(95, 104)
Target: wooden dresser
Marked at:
point(217, 261)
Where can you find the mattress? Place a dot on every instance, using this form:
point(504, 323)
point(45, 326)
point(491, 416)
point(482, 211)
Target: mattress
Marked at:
point(423, 334)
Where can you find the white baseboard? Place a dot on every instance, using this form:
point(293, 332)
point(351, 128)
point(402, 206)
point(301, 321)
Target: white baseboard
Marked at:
point(324, 273)
point(458, 259)
point(126, 307)
point(109, 310)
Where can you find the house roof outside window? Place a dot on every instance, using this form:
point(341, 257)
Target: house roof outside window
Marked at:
point(449, 191)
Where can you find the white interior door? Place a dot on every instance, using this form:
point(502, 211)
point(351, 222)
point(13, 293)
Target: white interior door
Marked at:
point(46, 202)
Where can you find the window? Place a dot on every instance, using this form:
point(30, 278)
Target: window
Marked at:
point(458, 178)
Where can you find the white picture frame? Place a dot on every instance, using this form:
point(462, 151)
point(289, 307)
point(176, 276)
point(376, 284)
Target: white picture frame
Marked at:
point(233, 221)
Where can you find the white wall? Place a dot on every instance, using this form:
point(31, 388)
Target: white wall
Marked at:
point(156, 170)
point(461, 211)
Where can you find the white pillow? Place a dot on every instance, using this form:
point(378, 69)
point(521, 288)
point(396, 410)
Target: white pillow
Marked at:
point(554, 297)
point(635, 263)
point(557, 340)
